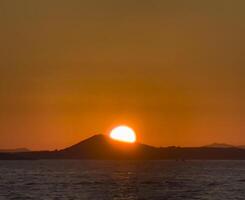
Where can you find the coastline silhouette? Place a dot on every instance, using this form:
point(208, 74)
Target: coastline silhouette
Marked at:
point(101, 147)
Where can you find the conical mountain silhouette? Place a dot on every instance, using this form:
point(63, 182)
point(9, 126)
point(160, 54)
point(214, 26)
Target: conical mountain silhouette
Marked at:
point(102, 147)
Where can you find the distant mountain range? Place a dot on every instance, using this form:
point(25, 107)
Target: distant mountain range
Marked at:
point(241, 146)
point(223, 145)
point(14, 150)
point(101, 147)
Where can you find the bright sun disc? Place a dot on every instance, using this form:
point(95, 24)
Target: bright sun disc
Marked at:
point(124, 134)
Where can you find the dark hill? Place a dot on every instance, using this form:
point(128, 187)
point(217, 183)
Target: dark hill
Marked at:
point(14, 150)
point(101, 147)
point(220, 145)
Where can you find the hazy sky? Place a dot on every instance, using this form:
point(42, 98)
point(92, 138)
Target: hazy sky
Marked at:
point(173, 70)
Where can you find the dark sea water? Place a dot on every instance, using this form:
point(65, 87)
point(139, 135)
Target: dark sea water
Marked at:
point(122, 180)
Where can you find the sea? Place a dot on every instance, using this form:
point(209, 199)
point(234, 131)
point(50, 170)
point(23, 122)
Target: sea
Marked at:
point(122, 180)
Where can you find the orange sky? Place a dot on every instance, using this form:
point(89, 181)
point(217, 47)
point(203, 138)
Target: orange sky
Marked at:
point(174, 71)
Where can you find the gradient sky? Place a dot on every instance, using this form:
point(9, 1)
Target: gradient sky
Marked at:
point(173, 70)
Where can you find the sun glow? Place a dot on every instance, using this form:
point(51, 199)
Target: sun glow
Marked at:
point(124, 134)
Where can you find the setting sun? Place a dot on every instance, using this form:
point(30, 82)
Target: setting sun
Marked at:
point(124, 134)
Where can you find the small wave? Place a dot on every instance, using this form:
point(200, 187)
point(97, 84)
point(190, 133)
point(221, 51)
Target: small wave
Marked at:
point(213, 184)
point(88, 183)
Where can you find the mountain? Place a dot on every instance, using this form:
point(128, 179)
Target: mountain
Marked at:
point(14, 150)
point(223, 145)
point(220, 145)
point(101, 147)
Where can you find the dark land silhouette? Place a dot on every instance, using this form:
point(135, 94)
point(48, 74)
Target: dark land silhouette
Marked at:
point(220, 145)
point(14, 150)
point(101, 147)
